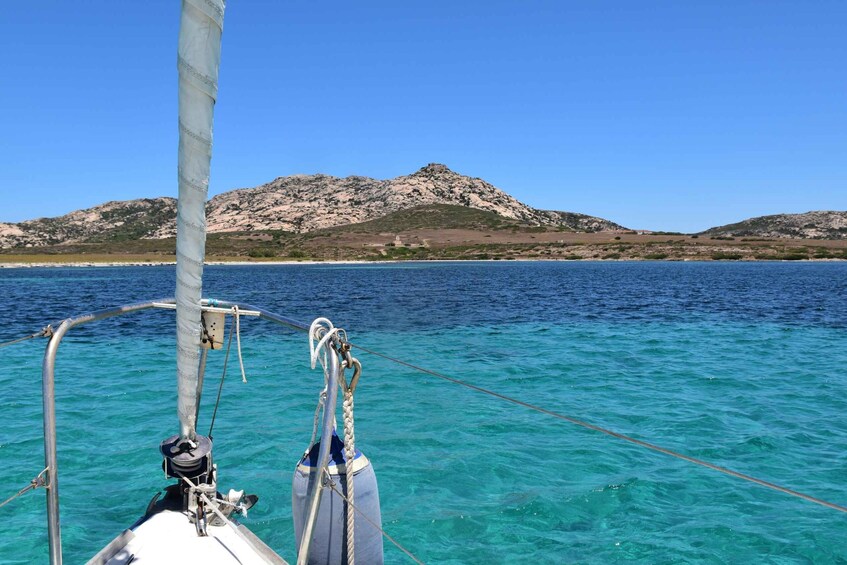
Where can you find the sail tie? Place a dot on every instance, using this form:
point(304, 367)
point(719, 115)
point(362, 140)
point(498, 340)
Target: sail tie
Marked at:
point(237, 316)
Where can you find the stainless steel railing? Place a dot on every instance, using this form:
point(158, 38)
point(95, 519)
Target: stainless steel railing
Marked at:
point(49, 407)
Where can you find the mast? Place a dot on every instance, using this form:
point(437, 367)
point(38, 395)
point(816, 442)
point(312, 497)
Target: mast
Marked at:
point(199, 55)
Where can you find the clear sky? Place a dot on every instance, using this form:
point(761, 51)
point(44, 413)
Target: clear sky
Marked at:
point(675, 115)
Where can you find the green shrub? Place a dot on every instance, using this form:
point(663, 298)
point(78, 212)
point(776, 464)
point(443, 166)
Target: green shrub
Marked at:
point(726, 256)
point(258, 252)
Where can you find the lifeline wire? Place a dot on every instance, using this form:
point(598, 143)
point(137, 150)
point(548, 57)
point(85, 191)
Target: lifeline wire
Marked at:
point(38, 481)
point(623, 437)
point(46, 332)
point(331, 485)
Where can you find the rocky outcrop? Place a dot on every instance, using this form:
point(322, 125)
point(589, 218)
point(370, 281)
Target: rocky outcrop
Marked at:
point(303, 203)
point(132, 219)
point(298, 203)
point(579, 222)
point(811, 225)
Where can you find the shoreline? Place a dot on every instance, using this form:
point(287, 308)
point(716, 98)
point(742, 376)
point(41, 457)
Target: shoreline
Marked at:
point(113, 264)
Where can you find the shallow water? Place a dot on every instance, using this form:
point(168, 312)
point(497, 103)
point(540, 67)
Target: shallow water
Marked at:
point(740, 364)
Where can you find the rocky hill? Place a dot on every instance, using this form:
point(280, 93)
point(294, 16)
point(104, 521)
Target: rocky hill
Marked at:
point(811, 225)
point(303, 203)
point(112, 221)
point(298, 203)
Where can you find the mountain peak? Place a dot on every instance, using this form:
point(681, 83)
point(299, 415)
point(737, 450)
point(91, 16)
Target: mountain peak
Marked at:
point(436, 169)
point(298, 203)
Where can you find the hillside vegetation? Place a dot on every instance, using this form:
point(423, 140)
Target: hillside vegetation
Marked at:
point(811, 225)
point(296, 204)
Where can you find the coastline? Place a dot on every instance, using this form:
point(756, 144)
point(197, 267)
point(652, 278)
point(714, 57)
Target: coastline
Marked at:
point(241, 263)
point(435, 245)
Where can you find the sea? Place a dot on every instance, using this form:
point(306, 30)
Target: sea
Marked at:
point(740, 364)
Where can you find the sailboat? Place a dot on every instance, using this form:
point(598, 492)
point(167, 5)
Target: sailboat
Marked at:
point(335, 498)
point(190, 521)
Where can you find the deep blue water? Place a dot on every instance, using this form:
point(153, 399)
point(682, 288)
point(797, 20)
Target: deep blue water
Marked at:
point(738, 363)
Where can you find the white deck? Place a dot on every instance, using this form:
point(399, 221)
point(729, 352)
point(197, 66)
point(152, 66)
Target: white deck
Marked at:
point(169, 537)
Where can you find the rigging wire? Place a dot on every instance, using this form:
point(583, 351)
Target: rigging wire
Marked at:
point(223, 376)
point(46, 331)
point(38, 481)
point(608, 432)
point(331, 484)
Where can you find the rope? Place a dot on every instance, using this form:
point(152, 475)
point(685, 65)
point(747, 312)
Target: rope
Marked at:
point(614, 434)
point(321, 402)
point(331, 485)
point(314, 357)
point(221, 386)
point(349, 457)
point(46, 331)
point(314, 350)
point(237, 317)
point(38, 481)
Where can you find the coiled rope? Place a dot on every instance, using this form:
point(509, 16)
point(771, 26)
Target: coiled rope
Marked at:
point(608, 432)
point(315, 355)
point(339, 344)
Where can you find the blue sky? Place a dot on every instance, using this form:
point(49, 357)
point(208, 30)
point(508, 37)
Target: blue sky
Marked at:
point(658, 115)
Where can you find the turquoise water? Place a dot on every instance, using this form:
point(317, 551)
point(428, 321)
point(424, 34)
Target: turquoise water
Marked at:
point(740, 364)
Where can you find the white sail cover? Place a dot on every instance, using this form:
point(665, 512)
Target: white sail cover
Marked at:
point(199, 56)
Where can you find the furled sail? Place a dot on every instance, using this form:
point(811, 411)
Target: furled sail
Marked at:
point(199, 55)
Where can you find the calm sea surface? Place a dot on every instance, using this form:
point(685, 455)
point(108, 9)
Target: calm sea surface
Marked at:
point(739, 364)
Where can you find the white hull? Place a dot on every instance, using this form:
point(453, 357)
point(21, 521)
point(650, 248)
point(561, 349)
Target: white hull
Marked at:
point(170, 537)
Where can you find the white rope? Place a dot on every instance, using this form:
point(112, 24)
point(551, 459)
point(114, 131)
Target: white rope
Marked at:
point(318, 408)
point(237, 316)
point(318, 353)
point(315, 350)
point(349, 456)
